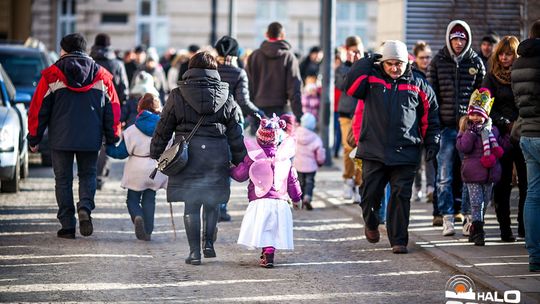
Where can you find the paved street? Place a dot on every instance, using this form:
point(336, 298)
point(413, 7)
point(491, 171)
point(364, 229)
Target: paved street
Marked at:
point(332, 262)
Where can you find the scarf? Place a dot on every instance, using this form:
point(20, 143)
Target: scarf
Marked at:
point(492, 150)
point(503, 75)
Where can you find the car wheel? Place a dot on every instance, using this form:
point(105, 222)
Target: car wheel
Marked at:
point(12, 185)
point(46, 160)
point(24, 166)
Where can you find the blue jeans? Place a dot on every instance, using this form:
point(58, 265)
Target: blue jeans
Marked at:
point(531, 151)
point(62, 162)
point(142, 203)
point(445, 161)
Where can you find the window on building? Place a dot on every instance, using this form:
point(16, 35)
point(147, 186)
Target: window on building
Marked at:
point(114, 18)
point(153, 24)
point(351, 19)
point(66, 20)
point(268, 11)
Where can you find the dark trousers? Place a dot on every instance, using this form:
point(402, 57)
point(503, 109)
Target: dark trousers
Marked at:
point(503, 189)
point(62, 162)
point(307, 183)
point(376, 175)
point(142, 203)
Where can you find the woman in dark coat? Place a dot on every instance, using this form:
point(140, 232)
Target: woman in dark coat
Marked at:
point(219, 141)
point(503, 114)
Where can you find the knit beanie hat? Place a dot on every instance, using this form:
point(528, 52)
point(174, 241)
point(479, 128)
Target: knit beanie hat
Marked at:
point(102, 39)
point(396, 50)
point(308, 121)
point(480, 103)
point(73, 43)
point(227, 46)
point(268, 132)
point(144, 83)
point(458, 31)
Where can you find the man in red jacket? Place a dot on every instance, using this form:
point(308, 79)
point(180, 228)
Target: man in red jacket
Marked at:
point(76, 100)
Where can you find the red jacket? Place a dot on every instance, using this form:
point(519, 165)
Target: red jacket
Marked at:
point(76, 100)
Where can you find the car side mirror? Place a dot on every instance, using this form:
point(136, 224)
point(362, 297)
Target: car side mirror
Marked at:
point(22, 98)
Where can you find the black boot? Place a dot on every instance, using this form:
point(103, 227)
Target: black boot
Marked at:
point(210, 219)
point(192, 222)
point(477, 233)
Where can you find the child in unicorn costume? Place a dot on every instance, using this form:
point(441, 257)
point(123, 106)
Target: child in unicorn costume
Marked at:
point(268, 222)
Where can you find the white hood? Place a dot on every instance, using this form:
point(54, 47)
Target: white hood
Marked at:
point(469, 38)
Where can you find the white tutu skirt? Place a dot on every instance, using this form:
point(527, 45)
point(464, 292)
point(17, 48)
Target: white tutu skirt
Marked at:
point(267, 222)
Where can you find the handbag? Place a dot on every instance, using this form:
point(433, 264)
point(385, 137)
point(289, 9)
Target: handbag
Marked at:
point(173, 160)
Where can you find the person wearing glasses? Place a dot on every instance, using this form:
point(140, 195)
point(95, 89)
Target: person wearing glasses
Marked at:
point(400, 116)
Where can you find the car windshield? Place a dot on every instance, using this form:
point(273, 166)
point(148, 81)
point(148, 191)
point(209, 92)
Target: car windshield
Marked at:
point(23, 69)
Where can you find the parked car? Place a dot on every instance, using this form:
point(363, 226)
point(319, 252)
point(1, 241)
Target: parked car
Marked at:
point(24, 63)
point(13, 130)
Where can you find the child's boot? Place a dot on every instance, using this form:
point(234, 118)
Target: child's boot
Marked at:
point(448, 225)
point(477, 233)
point(307, 202)
point(267, 257)
point(192, 222)
point(210, 219)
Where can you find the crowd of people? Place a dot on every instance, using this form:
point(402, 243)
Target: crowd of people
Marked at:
point(467, 119)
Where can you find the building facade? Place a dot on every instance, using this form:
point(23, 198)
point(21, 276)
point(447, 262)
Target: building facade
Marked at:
point(178, 23)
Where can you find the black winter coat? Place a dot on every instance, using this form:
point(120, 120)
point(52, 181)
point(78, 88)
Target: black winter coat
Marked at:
point(219, 138)
point(347, 104)
point(399, 115)
point(238, 87)
point(504, 110)
point(454, 83)
point(526, 86)
point(105, 57)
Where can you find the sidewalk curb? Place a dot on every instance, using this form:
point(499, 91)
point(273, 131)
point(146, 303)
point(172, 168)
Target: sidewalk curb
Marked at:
point(443, 257)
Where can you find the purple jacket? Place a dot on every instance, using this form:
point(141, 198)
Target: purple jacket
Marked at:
point(470, 144)
point(240, 173)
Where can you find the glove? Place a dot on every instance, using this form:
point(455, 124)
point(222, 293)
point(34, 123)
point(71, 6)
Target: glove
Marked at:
point(431, 153)
point(297, 205)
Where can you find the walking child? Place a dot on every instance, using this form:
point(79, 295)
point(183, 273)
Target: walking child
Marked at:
point(310, 155)
point(268, 223)
point(135, 145)
point(480, 169)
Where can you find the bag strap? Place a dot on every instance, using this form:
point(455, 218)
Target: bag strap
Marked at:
point(192, 133)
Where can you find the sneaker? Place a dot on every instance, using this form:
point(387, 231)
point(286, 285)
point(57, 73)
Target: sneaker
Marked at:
point(357, 198)
point(437, 220)
point(348, 189)
point(85, 222)
point(372, 236)
point(448, 225)
point(139, 228)
point(66, 233)
point(467, 222)
point(458, 217)
point(399, 249)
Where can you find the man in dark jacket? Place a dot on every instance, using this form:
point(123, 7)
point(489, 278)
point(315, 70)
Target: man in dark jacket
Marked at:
point(486, 47)
point(274, 75)
point(74, 95)
point(526, 87)
point(455, 72)
point(400, 115)
point(310, 65)
point(346, 108)
point(105, 57)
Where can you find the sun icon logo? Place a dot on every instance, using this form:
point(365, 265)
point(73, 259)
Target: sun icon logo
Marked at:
point(460, 287)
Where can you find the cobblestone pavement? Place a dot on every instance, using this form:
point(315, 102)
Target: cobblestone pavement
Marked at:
point(332, 261)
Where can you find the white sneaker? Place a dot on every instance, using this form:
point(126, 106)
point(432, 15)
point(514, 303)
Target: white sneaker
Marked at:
point(348, 189)
point(467, 223)
point(448, 225)
point(357, 198)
